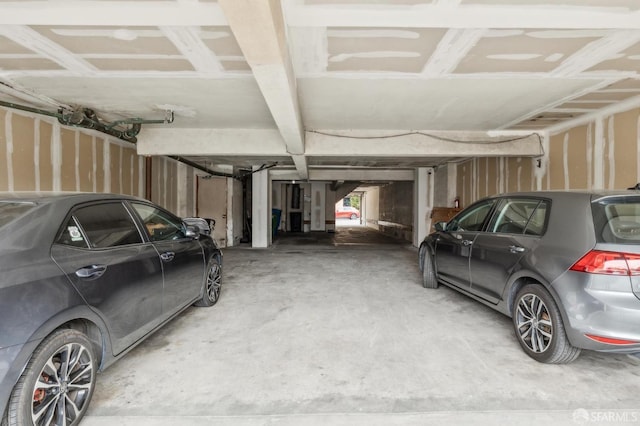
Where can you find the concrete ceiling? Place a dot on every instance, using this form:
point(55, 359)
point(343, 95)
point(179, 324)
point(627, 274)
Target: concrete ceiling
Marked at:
point(325, 84)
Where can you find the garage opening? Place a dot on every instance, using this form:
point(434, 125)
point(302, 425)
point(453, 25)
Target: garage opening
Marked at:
point(342, 213)
point(349, 211)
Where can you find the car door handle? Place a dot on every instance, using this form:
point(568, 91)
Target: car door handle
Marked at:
point(91, 272)
point(467, 242)
point(516, 249)
point(167, 256)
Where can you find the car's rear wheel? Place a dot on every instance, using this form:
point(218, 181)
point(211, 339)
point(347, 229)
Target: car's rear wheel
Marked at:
point(57, 384)
point(429, 279)
point(354, 216)
point(212, 283)
point(539, 327)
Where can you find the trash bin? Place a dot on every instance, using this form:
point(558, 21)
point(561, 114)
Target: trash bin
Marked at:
point(276, 214)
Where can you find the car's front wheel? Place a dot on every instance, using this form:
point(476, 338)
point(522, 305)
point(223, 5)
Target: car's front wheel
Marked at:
point(429, 279)
point(354, 216)
point(539, 327)
point(57, 384)
point(212, 283)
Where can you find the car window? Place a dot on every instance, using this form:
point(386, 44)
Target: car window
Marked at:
point(519, 216)
point(538, 220)
point(105, 225)
point(617, 220)
point(472, 218)
point(160, 225)
point(72, 235)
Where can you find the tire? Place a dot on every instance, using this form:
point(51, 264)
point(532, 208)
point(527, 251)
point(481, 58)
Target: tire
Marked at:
point(421, 257)
point(539, 328)
point(62, 369)
point(212, 284)
point(354, 216)
point(429, 279)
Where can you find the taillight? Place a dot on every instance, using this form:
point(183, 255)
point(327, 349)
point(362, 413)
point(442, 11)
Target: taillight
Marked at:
point(608, 263)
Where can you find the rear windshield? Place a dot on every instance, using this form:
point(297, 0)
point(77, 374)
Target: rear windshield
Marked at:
point(11, 210)
point(617, 220)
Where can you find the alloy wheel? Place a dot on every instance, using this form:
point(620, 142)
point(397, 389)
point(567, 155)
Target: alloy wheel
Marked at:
point(63, 386)
point(214, 280)
point(533, 323)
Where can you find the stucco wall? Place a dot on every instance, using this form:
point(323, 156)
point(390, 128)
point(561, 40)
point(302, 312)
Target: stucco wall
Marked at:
point(39, 154)
point(602, 154)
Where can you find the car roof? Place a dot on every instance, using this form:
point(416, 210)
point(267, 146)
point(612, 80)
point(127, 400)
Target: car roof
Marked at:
point(44, 197)
point(593, 194)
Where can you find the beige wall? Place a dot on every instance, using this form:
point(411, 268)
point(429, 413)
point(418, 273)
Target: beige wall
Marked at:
point(39, 154)
point(603, 154)
point(372, 206)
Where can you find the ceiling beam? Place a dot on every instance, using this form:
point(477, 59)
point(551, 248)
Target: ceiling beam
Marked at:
point(329, 175)
point(188, 42)
point(452, 49)
point(116, 13)
point(259, 28)
point(595, 52)
point(46, 48)
point(379, 143)
point(593, 88)
point(219, 142)
point(450, 15)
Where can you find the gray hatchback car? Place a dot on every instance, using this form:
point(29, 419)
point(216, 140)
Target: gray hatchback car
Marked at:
point(84, 278)
point(565, 266)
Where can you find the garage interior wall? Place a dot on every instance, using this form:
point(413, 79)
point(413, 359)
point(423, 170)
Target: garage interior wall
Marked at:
point(601, 154)
point(396, 210)
point(39, 154)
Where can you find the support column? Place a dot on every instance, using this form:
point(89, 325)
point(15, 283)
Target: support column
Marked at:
point(423, 195)
point(182, 183)
point(318, 207)
point(260, 209)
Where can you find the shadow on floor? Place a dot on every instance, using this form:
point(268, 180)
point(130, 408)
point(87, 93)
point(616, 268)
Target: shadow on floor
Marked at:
point(343, 236)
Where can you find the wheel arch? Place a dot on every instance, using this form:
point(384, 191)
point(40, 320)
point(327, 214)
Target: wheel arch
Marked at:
point(85, 320)
point(80, 318)
point(522, 280)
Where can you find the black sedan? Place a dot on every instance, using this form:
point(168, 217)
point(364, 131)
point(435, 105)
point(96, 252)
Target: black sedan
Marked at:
point(86, 277)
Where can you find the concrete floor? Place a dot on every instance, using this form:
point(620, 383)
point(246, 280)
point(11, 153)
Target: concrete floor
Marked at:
point(327, 329)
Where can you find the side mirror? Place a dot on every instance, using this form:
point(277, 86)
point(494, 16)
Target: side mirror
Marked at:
point(440, 226)
point(191, 232)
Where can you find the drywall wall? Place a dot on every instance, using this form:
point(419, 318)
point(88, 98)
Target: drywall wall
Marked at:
point(601, 154)
point(39, 154)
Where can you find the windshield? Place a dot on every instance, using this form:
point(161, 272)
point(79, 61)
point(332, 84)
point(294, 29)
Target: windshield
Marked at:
point(11, 210)
point(617, 220)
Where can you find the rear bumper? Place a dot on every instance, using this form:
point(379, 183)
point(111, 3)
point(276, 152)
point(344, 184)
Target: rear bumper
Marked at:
point(602, 306)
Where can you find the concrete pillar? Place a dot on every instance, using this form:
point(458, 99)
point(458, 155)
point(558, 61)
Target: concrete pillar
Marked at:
point(231, 224)
point(182, 193)
point(260, 209)
point(452, 184)
point(423, 196)
point(318, 209)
